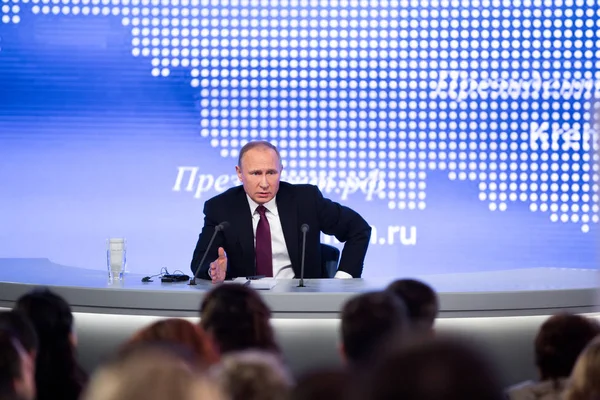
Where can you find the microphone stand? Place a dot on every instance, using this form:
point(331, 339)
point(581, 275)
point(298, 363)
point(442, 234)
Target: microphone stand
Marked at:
point(304, 229)
point(218, 229)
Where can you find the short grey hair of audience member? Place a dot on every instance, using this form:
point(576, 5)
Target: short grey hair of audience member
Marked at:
point(150, 374)
point(253, 375)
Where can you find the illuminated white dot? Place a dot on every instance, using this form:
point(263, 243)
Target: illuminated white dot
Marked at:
point(585, 228)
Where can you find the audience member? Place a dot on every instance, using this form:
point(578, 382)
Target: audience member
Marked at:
point(368, 321)
point(436, 369)
point(559, 342)
point(180, 332)
point(324, 384)
point(57, 375)
point(151, 373)
point(421, 303)
point(584, 383)
point(237, 319)
point(20, 326)
point(16, 370)
point(253, 375)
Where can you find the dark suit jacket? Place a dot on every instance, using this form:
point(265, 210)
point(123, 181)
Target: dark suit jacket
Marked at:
point(297, 205)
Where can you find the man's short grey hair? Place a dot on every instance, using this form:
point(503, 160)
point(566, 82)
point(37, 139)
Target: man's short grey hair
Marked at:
point(257, 144)
point(253, 375)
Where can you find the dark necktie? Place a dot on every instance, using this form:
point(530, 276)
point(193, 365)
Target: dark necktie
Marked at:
point(264, 253)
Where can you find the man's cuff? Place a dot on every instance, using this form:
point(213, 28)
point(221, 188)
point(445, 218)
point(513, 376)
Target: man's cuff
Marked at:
point(342, 275)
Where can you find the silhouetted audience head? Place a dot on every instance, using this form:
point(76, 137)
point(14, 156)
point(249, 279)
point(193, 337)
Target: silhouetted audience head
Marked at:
point(17, 380)
point(20, 326)
point(151, 373)
point(439, 369)
point(253, 375)
point(421, 302)
point(58, 375)
point(368, 321)
point(180, 332)
point(584, 383)
point(325, 384)
point(559, 342)
point(237, 319)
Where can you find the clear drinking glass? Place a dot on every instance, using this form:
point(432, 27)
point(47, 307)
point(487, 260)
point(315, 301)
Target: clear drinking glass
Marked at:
point(116, 258)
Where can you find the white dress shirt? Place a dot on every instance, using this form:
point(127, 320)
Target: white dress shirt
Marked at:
point(282, 265)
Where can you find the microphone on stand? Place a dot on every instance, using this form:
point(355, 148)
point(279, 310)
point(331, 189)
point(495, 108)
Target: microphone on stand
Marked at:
point(304, 228)
point(221, 227)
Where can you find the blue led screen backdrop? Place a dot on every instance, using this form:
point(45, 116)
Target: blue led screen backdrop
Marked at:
point(463, 131)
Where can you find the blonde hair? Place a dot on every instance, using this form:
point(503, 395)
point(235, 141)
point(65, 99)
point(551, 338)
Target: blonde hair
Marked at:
point(585, 382)
point(152, 374)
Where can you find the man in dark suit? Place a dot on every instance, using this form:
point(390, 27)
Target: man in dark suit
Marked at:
point(265, 216)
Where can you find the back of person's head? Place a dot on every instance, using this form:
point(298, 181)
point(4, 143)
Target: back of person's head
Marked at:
point(368, 321)
point(237, 319)
point(421, 302)
point(584, 383)
point(438, 369)
point(16, 369)
point(21, 327)
point(49, 314)
point(253, 375)
point(181, 332)
point(150, 373)
point(57, 373)
point(559, 342)
point(324, 384)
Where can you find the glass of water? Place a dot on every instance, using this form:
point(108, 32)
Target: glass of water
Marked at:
point(116, 258)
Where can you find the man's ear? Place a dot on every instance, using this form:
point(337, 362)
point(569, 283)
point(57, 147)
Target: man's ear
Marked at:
point(342, 352)
point(214, 343)
point(73, 339)
point(238, 170)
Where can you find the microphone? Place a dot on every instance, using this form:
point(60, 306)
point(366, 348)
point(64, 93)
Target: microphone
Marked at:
point(304, 228)
point(221, 227)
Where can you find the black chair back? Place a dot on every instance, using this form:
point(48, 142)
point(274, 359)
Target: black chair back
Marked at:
point(330, 257)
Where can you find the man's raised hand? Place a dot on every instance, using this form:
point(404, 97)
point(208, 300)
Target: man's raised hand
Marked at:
point(218, 268)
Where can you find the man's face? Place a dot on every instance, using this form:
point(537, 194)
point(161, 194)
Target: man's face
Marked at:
point(260, 173)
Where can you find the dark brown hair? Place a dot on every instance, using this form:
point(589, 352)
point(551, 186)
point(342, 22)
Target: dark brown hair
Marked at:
point(237, 318)
point(438, 369)
point(179, 332)
point(256, 144)
point(420, 299)
point(21, 327)
point(324, 384)
point(57, 372)
point(10, 364)
point(559, 342)
point(368, 321)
